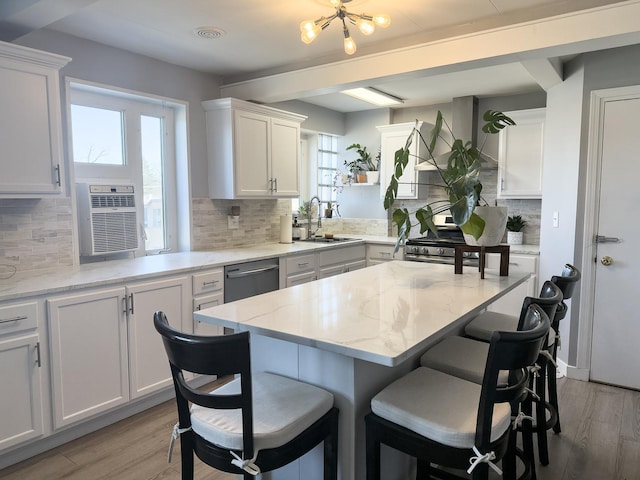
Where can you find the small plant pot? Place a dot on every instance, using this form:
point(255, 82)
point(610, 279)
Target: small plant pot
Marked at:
point(373, 176)
point(361, 177)
point(328, 212)
point(514, 238)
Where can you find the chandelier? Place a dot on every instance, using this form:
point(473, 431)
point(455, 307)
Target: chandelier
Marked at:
point(310, 29)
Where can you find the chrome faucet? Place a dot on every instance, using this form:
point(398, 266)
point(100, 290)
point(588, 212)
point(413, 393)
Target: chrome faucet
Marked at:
point(309, 233)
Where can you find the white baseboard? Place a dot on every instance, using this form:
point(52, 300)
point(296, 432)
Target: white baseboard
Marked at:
point(570, 371)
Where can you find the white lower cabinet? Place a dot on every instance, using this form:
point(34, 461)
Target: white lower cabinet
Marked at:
point(511, 303)
point(341, 260)
point(104, 348)
point(378, 253)
point(21, 374)
point(21, 414)
point(298, 269)
point(208, 291)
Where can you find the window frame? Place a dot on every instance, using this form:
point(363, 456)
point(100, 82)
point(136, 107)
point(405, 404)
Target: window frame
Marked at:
point(133, 106)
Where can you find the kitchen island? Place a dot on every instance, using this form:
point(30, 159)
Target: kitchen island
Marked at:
point(355, 333)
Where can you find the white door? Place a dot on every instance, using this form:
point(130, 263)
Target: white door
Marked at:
point(615, 356)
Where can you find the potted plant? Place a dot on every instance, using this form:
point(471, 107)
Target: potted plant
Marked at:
point(362, 164)
point(460, 182)
point(515, 225)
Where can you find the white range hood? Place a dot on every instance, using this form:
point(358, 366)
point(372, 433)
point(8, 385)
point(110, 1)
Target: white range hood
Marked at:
point(464, 123)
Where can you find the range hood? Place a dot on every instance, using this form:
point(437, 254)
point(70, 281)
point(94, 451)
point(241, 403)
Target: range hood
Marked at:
point(464, 124)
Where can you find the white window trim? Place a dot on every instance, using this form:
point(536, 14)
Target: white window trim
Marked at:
point(104, 96)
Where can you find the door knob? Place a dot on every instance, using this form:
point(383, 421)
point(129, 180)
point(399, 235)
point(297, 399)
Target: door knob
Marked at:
point(606, 260)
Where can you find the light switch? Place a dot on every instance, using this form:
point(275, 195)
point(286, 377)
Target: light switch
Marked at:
point(556, 219)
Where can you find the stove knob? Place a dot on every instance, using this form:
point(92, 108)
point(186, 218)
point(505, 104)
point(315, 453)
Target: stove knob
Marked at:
point(424, 250)
point(441, 251)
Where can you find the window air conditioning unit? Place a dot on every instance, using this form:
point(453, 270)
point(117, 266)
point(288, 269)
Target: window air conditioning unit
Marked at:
point(108, 219)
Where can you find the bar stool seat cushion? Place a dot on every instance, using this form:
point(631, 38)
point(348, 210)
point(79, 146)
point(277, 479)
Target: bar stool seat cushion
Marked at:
point(483, 326)
point(438, 406)
point(282, 409)
point(461, 357)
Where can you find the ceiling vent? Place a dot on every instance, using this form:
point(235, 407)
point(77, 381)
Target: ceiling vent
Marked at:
point(209, 33)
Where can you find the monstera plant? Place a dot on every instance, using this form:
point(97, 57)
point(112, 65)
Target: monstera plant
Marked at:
point(459, 178)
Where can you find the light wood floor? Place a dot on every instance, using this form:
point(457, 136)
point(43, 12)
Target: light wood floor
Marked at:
point(600, 440)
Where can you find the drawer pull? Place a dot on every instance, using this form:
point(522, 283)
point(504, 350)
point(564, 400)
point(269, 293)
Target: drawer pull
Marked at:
point(212, 282)
point(300, 265)
point(385, 254)
point(14, 319)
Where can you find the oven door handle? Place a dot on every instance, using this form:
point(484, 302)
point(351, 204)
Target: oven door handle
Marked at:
point(254, 271)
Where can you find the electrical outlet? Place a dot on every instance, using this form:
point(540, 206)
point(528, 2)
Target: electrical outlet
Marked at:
point(233, 222)
point(556, 219)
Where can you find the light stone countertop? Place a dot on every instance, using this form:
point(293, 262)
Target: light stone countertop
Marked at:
point(382, 314)
point(128, 270)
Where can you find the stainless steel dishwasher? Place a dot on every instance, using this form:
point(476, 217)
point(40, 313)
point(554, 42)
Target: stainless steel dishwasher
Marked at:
point(244, 280)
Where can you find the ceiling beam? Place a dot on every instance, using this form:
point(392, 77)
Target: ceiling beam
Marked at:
point(546, 71)
point(598, 28)
point(20, 17)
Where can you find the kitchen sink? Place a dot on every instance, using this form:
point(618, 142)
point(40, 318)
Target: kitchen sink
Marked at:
point(327, 240)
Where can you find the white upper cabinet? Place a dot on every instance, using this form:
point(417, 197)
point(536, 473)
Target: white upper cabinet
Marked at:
point(520, 155)
point(31, 134)
point(392, 138)
point(254, 151)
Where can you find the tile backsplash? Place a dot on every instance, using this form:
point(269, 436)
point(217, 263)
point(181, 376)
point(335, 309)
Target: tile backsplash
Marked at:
point(259, 222)
point(35, 234)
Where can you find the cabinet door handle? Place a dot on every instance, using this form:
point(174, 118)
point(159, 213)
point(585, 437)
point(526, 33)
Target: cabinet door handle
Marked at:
point(38, 359)
point(271, 185)
point(275, 183)
point(58, 178)
point(131, 304)
point(127, 301)
point(13, 319)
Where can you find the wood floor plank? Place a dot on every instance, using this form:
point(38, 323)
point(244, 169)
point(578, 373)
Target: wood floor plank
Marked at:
point(600, 440)
point(631, 416)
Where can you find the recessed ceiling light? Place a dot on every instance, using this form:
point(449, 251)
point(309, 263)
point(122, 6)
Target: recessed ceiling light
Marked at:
point(373, 96)
point(210, 33)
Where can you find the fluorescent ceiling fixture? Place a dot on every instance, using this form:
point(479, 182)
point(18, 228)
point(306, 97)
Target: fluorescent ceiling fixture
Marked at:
point(373, 96)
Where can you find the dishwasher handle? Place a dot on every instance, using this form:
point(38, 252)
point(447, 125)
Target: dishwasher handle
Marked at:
point(245, 273)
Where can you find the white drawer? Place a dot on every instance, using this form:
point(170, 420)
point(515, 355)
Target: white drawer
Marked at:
point(208, 282)
point(526, 263)
point(383, 252)
point(207, 301)
point(18, 317)
point(300, 263)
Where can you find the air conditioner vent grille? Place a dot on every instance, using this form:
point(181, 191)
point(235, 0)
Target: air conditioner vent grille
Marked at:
point(112, 201)
point(114, 231)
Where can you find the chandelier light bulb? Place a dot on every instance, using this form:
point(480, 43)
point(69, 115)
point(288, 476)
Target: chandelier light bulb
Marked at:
point(365, 26)
point(307, 25)
point(349, 45)
point(308, 36)
point(335, 3)
point(382, 20)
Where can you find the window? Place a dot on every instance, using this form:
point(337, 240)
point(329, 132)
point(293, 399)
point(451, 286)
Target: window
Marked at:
point(125, 138)
point(327, 166)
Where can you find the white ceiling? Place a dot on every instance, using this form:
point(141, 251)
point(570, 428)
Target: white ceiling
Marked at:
point(262, 37)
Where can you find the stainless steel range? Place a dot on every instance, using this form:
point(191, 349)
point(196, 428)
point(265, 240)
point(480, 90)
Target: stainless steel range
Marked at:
point(440, 249)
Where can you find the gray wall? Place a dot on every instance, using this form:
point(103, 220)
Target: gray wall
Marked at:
point(99, 63)
point(568, 110)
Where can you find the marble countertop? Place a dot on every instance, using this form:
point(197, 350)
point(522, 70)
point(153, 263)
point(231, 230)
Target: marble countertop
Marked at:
point(128, 270)
point(382, 314)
